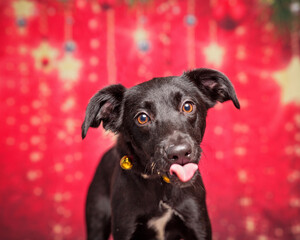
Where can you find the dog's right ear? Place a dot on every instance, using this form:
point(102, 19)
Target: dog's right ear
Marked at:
point(214, 85)
point(104, 106)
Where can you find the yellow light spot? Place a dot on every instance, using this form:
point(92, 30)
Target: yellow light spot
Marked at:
point(68, 104)
point(240, 151)
point(241, 128)
point(250, 224)
point(140, 34)
point(295, 229)
point(23, 8)
point(245, 202)
point(58, 167)
point(81, 4)
point(44, 89)
point(297, 119)
point(288, 80)
point(262, 237)
point(72, 125)
point(93, 24)
point(57, 228)
point(295, 202)
point(61, 135)
point(69, 70)
point(218, 130)
point(96, 8)
point(36, 104)
point(34, 140)
point(240, 31)
point(35, 156)
point(297, 150)
point(58, 197)
point(242, 176)
point(94, 43)
point(269, 26)
point(35, 120)
point(241, 53)
point(93, 77)
point(242, 77)
point(33, 175)
point(214, 54)
point(45, 56)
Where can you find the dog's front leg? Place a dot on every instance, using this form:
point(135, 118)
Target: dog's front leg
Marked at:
point(123, 224)
point(200, 224)
point(195, 215)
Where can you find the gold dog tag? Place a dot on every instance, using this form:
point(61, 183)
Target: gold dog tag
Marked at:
point(125, 163)
point(166, 179)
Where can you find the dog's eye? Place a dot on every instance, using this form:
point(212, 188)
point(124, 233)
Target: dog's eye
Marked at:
point(187, 107)
point(143, 118)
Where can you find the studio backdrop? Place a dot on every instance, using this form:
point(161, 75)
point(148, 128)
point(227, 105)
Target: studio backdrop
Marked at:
point(55, 54)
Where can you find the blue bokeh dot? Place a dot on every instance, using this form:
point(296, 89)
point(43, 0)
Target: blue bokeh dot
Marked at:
point(190, 19)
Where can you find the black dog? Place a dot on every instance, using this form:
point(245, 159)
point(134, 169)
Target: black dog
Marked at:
point(157, 192)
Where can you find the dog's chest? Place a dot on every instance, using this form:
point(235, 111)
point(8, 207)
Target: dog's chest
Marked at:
point(158, 224)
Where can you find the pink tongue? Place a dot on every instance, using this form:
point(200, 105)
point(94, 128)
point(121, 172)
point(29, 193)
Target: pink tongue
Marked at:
point(184, 173)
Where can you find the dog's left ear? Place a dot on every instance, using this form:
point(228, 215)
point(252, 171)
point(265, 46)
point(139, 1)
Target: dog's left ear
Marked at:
point(214, 85)
point(104, 106)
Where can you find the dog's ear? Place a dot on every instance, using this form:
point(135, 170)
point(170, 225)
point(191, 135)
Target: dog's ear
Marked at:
point(214, 85)
point(104, 106)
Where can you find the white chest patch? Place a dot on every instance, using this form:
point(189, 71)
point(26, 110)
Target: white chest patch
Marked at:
point(158, 224)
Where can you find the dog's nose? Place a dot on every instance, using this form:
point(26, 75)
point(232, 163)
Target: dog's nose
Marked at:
point(181, 152)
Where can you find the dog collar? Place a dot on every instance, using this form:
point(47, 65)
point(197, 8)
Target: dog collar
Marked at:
point(126, 164)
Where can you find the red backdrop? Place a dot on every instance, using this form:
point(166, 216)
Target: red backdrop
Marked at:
point(54, 55)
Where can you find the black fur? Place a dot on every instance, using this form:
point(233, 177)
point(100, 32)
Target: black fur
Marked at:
point(123, 202)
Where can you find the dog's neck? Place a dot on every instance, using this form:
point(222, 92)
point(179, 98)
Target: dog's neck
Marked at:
point(126, 149)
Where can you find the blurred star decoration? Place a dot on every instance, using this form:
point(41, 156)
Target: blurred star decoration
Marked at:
point(45, 57)
point(23, 10)
point(141, 39)
point(69, 69)
point(214, 54)
point(289, 81)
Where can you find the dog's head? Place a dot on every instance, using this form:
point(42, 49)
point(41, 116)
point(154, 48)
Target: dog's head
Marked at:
point(161, 122)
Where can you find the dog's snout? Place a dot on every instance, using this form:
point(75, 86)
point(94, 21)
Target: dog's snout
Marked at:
point(179, 152)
